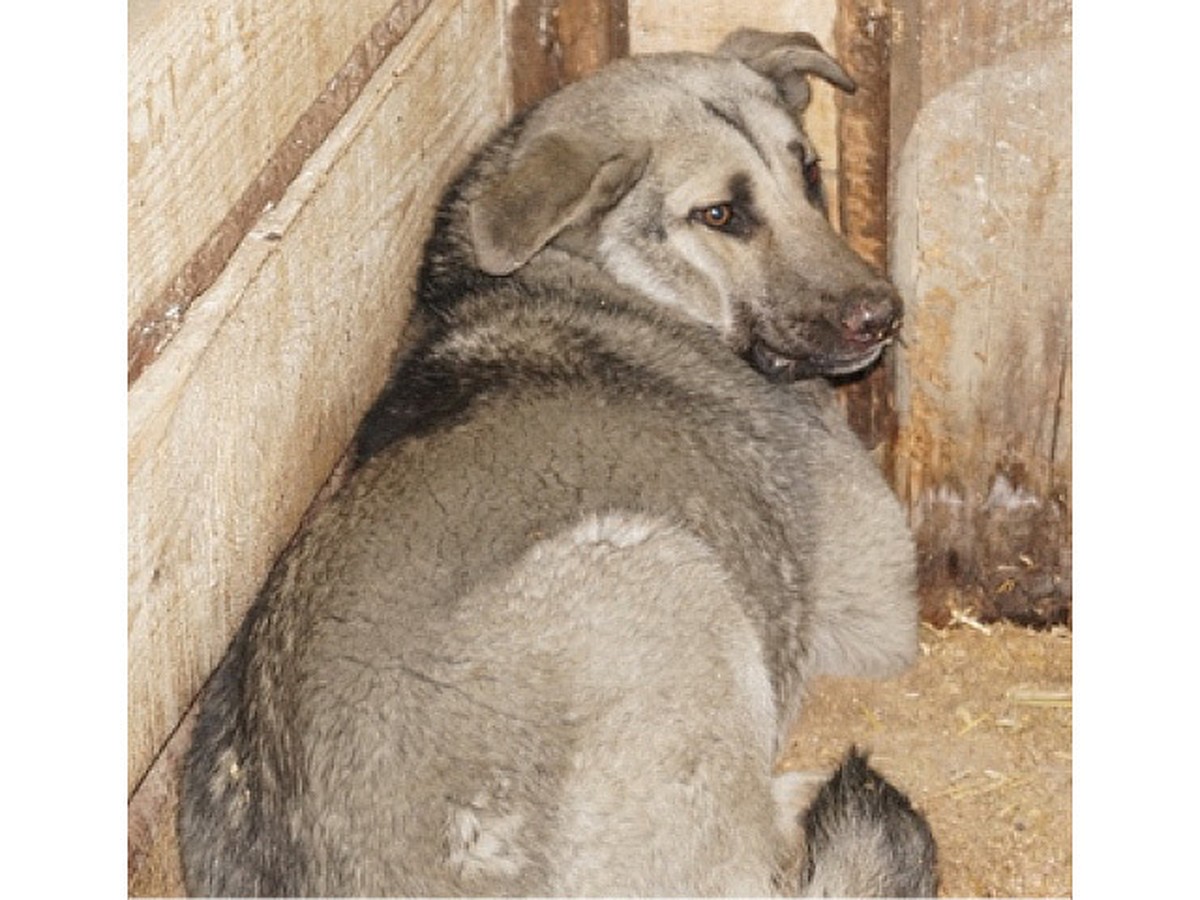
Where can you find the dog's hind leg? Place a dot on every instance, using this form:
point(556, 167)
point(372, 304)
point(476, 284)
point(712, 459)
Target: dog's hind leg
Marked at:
point(665, 789)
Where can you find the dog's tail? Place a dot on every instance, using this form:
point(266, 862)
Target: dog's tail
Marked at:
point(865, 839)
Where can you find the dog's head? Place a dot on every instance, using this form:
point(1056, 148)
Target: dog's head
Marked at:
point(689, 179)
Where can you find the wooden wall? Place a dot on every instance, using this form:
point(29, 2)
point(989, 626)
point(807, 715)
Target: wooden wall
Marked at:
point(216, 92)
point(554, 42)
point(980, 247)
point(283, 163)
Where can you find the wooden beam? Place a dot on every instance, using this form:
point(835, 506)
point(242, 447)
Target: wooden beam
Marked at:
point(235, 426)
point(862, 36)
point(980, 246)
point(555, 42)
point(221, 116)
point(153, 867)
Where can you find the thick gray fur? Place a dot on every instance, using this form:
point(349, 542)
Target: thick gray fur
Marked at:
point(547, 637)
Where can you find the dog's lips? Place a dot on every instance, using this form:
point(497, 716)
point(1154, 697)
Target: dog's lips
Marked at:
point(773, 364)
point(847, 365)
point(779, 366)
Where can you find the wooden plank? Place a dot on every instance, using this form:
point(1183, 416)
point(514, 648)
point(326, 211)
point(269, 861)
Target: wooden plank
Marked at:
point(591, 32)
point(153, 859)
point(863, 35)
point(214, 88)
point(981, 249)
point(657, 25)
point(937, 42)
point(863, 38)
point(236, 425)
point(555, 42)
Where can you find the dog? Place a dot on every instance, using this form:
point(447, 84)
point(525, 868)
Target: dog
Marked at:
point(606, 520)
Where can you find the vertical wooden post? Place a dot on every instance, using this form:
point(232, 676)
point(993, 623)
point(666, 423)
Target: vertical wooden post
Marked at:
point(980, 245)
point(555, 42)
point(862, 32)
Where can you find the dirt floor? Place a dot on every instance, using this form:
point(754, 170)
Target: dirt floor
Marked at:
point(978, 734)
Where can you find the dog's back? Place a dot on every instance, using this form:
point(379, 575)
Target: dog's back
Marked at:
point(546, 638)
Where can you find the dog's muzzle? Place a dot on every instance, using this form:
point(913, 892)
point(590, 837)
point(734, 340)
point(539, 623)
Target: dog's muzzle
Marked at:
point(871, 316)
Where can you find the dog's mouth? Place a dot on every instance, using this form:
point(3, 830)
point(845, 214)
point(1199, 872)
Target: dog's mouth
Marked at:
point(778, 366)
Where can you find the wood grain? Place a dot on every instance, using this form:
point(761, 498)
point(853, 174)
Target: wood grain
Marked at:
point(863, 36)
point(981, 250)
point(555, 42)
point(234, 428)
point(213, 88)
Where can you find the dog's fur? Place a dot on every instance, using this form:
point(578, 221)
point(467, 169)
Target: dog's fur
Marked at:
point(547, 637)
point(864, 839)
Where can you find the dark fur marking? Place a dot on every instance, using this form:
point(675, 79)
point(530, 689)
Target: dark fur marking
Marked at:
point(428, 391)
point(814, 190)
point(741, 194)
point(273, 860)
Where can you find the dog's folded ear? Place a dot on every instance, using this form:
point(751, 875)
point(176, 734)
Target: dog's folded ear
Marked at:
point(786, 59)
point(553, 184)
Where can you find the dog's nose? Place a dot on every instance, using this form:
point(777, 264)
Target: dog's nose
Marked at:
point(871, 314)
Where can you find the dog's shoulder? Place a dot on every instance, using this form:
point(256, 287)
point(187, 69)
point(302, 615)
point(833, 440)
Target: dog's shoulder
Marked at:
point(517, 339)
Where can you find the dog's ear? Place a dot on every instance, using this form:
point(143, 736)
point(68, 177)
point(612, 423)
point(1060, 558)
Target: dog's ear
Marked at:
point(787, 60)
point(553, 184)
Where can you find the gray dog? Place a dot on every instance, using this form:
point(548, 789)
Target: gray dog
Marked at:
point(548, 636)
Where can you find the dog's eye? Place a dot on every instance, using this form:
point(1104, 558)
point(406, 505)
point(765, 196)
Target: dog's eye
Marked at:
point(812, 173)
point(718, 216)
point(813, 186)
